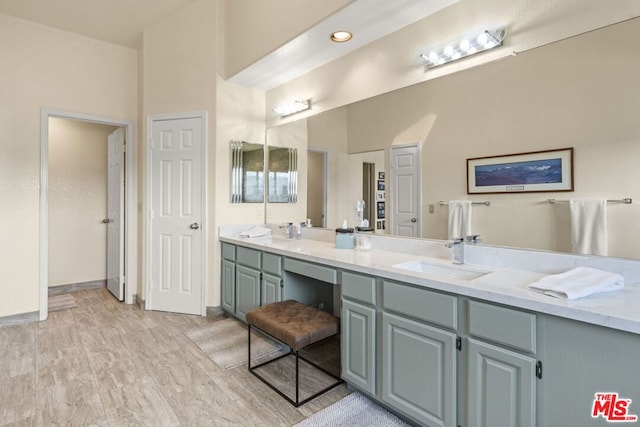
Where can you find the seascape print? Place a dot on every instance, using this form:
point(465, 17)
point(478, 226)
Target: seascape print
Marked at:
point(546, 171)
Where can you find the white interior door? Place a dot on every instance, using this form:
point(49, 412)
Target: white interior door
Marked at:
point(176, 239)
point(115, 214)
point(404, 179)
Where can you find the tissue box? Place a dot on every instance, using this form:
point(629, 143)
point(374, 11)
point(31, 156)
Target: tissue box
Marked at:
point(345, 239)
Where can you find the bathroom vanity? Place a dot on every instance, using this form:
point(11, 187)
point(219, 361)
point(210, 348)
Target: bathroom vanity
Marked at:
point(443, 345)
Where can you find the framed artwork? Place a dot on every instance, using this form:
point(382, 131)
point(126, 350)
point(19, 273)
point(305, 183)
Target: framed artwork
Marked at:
point(379, 196)
point(380, 209)
point(380, 185)
point(380, 175)
point(550, 170)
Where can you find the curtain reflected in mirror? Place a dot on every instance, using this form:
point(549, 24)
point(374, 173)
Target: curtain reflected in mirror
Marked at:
point(283, 175)
point(247, 172)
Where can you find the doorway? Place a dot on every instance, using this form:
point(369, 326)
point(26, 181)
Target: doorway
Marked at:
point(404, 180)
point(128, 243)
point(317, 187)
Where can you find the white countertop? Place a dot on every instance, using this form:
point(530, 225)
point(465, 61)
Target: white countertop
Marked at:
point(618, 309)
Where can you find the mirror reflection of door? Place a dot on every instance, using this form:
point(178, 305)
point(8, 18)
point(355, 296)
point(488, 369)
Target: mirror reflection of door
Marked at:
point(368, 191)
point(316, 187)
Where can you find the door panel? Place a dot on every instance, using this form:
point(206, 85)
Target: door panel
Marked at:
point(115, 213)
point(501, 387)
point(405, 190)
point(176, 216)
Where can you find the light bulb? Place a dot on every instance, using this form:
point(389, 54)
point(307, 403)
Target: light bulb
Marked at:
point(464, 45)
point(448, 51)
point(482, 39)
point(456, 55)
point(472, 50)
point(433, 57)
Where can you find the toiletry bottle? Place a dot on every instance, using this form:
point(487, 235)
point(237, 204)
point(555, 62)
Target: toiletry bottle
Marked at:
point(298, 231)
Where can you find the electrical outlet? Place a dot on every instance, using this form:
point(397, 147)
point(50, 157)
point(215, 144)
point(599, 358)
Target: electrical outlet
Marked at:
point(432, 208)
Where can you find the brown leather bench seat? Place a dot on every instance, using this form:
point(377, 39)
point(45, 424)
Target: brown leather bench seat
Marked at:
point(294, 323)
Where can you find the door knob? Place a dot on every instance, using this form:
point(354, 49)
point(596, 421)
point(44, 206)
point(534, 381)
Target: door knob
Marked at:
point(106, 221)
point(414, 220)
point(194, 226)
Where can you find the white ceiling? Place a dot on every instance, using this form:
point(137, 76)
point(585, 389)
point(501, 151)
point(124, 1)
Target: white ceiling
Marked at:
point(368, 20)
point(115, 21)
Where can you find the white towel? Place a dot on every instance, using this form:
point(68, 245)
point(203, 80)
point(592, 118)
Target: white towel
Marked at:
point(577, 283)
point(459, 219)
point(256, 232)
point(589, 226)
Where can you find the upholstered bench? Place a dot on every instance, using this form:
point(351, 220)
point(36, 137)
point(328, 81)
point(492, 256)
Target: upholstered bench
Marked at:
point(297, 325)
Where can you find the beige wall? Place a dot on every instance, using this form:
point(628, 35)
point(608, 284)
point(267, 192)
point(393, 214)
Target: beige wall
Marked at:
point(240, 116)
point(256, 28)
point(77, 201)
point(553, 97)
point(45, 68)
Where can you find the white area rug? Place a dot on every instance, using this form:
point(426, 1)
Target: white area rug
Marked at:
point(353, 410)
point(225, 342)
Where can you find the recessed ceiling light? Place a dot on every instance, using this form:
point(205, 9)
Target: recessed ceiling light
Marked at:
point(341, 36)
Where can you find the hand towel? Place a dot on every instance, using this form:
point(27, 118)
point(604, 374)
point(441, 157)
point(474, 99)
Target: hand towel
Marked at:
point(459, 219)
point(256, 232)
point(589, 226)
point(577, 283)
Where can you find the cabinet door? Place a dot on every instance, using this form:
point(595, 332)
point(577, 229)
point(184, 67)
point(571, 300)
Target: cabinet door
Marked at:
point(501, 390)
point(271, 289)
point(419, 370)
point(358, 346)
point(229, 286)
point(247, 290)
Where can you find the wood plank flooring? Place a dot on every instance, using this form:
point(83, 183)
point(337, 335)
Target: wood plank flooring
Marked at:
point(105, 363)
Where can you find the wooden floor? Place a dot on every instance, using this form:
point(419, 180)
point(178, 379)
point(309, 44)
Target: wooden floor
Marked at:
point(104, 363)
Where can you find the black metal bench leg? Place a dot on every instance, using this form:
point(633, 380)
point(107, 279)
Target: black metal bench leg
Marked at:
point(297, 380)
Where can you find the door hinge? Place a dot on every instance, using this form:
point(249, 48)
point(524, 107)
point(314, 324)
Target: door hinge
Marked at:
point(539, 370)
point(282, 283)
point(459, 344)
point(260, 276)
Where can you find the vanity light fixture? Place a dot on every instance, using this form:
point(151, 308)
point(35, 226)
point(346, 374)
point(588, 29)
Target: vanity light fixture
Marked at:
point(480, 42)
point(292, 107)
point(341, 36)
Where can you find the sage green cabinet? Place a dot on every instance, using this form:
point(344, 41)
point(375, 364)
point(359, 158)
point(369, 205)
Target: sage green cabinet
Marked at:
point(358, 337)
point(229, 285)
point(501, 366)
point(501, 388)
point(419, 370)
point(271, 289)
point(358, 346)
point(247, 290)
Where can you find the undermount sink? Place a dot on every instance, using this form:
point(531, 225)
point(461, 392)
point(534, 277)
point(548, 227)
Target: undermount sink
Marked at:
point(442, 271)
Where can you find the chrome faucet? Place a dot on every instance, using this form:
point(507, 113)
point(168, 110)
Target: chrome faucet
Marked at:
point(457, 254)
point(474, 238)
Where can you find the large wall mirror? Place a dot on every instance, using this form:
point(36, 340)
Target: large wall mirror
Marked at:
point(581, 92)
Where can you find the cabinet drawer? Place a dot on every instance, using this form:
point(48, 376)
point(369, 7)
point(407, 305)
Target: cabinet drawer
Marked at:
point(324, 274)
point(421, 304)
point(248, 257)
point(272, 264)
point(503, 325)
point(228, 251)
point(359, 287)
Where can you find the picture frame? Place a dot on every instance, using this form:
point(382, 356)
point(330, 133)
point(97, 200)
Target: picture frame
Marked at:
point(380, 175)
point(380, 185)
point(380, 209)
point(536, 171)
point(380, 196)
